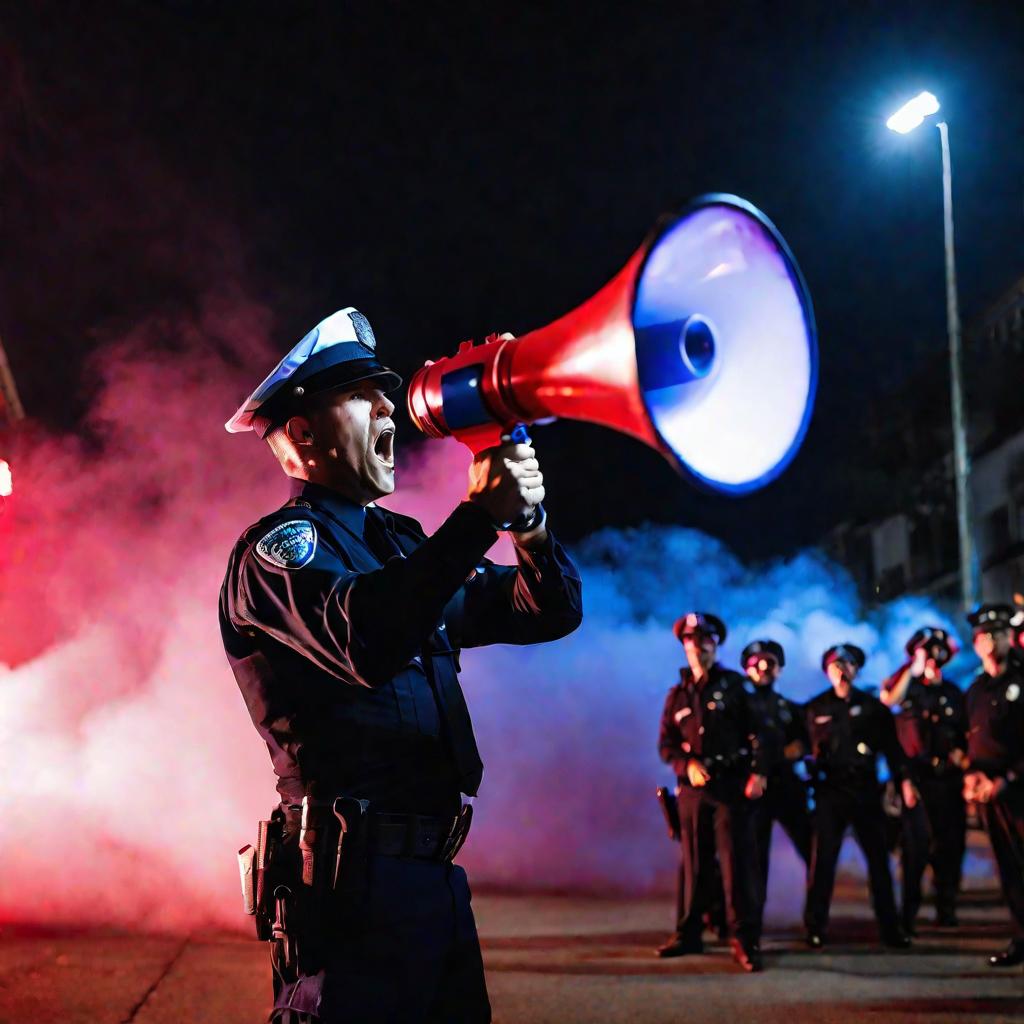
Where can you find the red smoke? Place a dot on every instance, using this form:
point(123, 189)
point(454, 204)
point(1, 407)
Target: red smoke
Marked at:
point(132, 772)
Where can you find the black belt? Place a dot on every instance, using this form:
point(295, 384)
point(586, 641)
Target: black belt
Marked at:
point(414, 835)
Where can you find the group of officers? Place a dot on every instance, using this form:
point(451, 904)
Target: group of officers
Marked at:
point(745, 756)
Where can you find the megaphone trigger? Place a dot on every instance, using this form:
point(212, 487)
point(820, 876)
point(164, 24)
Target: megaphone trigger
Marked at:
point(518, 434)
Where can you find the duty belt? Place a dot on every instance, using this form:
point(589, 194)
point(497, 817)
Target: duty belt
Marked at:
point(418, 836)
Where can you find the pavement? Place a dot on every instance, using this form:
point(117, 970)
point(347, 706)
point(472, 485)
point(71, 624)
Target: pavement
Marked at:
point(550, 960)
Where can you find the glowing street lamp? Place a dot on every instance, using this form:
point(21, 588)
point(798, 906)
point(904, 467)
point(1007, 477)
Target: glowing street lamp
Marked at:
point(906, 119)
point(913, 113)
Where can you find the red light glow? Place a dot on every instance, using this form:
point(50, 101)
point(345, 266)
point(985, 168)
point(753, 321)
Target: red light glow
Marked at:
point(6, 483)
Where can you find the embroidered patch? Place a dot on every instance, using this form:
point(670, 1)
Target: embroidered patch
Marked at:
point(289, 545)
point(856, 709)
point(1012, 691)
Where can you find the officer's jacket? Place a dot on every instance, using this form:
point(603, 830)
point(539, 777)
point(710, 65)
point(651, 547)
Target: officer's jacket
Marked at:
point(995, 723)
point(712, 722)
point(779, 722)
point(931, 722)
point(847, 737)
point(349, 664)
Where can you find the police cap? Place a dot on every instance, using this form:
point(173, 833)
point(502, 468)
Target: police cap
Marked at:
point(992, 616)
point(757, 647)
point(843, 652)
point(700, 622)
point(940, 645)
point(340, 350)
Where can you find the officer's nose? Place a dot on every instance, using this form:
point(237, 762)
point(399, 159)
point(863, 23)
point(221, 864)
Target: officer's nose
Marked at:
point(385, 407)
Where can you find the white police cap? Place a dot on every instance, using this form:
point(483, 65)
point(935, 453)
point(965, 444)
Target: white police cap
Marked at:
point(340, 350)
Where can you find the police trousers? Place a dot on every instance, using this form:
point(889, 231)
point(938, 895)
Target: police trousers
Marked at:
point(1003, 819)
point(709, 824)
point(784, 801)
point(406, 953)
point(835, 809)
point(934, 833)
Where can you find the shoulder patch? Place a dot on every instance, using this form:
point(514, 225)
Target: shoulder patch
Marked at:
point(289, 545)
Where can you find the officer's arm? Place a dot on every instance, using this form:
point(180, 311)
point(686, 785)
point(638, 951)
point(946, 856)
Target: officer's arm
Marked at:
point(537, 600)
point(361, 627)
point(890, 745)
point(670, 739)
point(894, 689)
point(796, 732)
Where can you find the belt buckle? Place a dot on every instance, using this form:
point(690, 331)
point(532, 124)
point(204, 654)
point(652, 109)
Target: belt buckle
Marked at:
point(423, 840)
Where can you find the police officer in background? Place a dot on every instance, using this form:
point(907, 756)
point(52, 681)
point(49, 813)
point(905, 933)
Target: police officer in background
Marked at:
point(783, 734)
point(343, 623)
point(708, 736)
point(848, 729)
point(931, 725)
point(995, 758)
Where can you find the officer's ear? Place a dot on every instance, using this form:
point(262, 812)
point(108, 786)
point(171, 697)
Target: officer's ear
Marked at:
point(299, 431)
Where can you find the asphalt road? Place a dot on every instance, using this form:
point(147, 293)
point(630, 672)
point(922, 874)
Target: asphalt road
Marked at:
point(550, 960)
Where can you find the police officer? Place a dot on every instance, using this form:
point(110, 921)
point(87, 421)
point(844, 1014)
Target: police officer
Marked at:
point(780, 725)
point(343, 623)
point(931, 725)
point(848, 729)
point(708, 736)
point(995, 758)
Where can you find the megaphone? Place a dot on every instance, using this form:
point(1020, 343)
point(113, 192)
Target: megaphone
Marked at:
point(703, 347)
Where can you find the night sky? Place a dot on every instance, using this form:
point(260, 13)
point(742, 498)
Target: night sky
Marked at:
point(454, 169)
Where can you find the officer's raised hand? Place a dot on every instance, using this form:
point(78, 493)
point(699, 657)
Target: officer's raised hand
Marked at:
point(506, 482)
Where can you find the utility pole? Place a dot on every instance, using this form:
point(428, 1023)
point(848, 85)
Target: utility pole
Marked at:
point(11, 409)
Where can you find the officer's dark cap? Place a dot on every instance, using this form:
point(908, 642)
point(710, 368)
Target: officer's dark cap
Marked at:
point(339, 351)
point(703, 623)
point(940, 645)
point(994, 615)
point(757, 647)
point(844, 652)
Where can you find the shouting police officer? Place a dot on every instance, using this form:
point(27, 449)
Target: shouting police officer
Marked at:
point(343, 625)
point(931, 726)
point(995, 755)
point(708, 735)
point(848, 730)
point(780, 724)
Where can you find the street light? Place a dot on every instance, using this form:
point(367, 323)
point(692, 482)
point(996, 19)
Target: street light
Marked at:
point(906, 119)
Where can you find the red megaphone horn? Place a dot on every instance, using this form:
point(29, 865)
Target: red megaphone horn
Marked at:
point(703, 347)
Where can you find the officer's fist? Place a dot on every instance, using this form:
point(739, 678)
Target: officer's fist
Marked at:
point(756, 787)
point(697, 773)
point(506, 482)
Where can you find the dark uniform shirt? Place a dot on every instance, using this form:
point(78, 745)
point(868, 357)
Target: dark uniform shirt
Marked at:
point(847, 736)
point(348, 663)
point(931, 723)
point(995, 720)
point(779, 721)
point(710, 721)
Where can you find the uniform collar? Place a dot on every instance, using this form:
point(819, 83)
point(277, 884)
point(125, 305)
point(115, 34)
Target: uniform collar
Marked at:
point(686, 675)
point(345, 510)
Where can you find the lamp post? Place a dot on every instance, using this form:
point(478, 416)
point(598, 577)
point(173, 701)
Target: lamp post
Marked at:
point(906, 119)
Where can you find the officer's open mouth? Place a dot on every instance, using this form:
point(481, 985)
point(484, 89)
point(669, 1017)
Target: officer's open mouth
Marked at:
point(384, 446)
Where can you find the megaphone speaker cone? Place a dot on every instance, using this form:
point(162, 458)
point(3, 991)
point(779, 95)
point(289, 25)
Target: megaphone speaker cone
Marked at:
point(726, 349)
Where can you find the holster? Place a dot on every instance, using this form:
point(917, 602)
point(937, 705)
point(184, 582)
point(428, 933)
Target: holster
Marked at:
point(670, 808)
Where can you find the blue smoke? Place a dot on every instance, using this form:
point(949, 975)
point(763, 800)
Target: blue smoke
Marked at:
point(569, 730)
